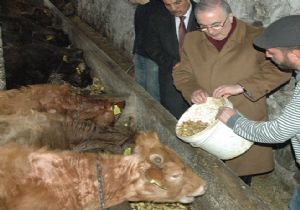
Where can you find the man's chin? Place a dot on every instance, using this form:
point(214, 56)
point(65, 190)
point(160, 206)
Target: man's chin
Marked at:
point(217, 37)
point(177, 14)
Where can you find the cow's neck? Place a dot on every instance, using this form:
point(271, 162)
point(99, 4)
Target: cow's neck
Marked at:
point(119, 176)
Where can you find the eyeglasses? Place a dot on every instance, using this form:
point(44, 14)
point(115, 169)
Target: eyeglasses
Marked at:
point(215, 26)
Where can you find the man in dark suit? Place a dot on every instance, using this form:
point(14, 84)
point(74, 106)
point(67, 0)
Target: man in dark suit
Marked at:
point(162, 45)
point(146, 70)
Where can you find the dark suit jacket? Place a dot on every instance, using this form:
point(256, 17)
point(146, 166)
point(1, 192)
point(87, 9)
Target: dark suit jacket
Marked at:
point(162, 46)
point(141, 20)
point(161, 39)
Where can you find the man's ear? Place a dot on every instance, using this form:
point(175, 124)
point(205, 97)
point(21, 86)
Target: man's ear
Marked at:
point(295, 54)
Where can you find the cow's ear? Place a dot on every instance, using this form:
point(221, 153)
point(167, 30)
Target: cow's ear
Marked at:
point(144, 141)
point(147, 139)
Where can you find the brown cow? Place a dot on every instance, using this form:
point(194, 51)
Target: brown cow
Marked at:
point(60, 99)
point(60, 131)
point(54, 180)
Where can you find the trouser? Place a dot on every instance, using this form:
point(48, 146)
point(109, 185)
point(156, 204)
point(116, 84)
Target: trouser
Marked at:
point(170, 97)
point(146, 73)
point(295, 202)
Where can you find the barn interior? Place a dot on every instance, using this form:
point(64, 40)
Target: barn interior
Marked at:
point(101, 34)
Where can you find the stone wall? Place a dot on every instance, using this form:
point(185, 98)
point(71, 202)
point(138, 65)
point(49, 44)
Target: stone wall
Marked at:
point(264, 11)
point(113, 19)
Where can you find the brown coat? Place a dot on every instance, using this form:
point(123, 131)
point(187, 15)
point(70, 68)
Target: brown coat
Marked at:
point(203, 66)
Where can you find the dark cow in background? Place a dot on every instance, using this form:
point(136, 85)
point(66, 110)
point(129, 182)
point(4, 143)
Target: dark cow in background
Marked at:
point(37, 51)
point(36, 13)
point(37, 63)
point(18, 30)
point(55, 180)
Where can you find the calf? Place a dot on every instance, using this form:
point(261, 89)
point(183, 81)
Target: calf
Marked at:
point(59, 99)
point(17, 31)
point(54, 180)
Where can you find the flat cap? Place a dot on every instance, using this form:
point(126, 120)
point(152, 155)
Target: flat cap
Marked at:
point(284, 32)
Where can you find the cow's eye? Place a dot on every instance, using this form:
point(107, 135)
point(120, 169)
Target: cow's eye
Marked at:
point(156, 159)
point(176, 176)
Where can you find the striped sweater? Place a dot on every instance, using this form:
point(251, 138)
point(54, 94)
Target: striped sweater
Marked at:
point(285, 127)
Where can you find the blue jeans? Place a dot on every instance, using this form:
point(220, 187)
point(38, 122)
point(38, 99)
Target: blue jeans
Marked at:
point(146, 73)
point(295, 202)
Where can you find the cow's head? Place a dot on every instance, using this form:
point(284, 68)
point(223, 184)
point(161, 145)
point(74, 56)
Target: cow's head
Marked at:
point(74, 71)
point(166, 177)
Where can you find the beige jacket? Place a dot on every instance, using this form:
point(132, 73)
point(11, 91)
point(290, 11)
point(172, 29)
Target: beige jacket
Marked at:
point(203, 66)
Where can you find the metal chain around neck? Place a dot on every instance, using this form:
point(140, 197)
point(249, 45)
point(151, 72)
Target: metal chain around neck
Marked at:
point(101, 192)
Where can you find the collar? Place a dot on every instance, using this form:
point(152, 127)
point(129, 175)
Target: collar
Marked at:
point(188, 12)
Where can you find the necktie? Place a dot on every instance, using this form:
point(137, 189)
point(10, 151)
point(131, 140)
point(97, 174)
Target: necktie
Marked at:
point(181, 31)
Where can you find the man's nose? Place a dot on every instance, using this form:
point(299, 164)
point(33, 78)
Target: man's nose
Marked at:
point(210, 31)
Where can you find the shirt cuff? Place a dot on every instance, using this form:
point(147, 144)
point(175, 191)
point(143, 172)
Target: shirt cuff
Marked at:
point(232, 120)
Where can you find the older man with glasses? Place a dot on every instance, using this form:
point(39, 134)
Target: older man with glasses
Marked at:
point(220, 60)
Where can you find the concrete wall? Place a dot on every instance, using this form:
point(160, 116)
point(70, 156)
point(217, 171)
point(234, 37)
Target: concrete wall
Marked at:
point(114, 19)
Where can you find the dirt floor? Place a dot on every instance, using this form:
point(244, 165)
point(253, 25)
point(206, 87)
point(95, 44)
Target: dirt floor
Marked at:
point(269, 186)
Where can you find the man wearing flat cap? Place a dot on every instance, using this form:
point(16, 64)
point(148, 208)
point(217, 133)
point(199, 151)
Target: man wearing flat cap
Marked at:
point(281, 40)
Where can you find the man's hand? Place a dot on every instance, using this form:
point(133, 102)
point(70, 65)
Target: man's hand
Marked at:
point(227, 90)
point(225, 113)
point(199, 96)
point(176, 65)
